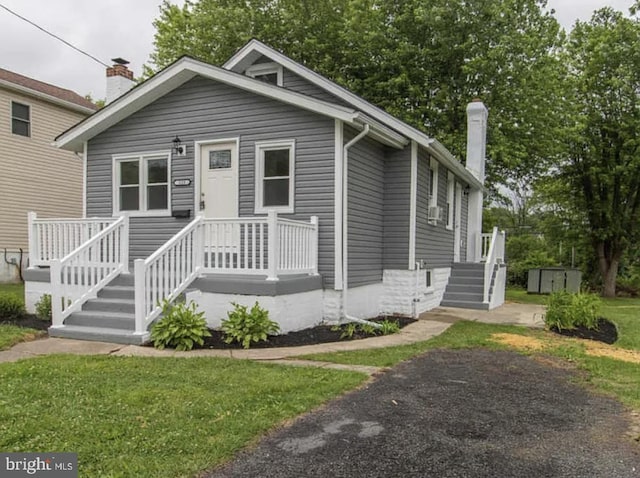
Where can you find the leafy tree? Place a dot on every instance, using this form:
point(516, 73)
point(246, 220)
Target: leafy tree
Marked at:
point(601, 174)
point(421, 60)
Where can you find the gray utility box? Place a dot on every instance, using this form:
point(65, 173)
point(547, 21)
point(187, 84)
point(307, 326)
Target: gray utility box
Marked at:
point(552, 279)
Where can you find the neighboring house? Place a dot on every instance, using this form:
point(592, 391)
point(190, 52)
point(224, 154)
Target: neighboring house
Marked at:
point(264, 181)
point(36, 176)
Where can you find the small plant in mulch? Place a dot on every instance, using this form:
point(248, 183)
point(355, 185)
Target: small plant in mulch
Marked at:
point(577, 315)
point(43, 308)
point(246, 327)
point(181, 327)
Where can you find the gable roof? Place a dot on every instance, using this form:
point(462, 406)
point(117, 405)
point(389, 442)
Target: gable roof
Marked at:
point(187, 68)
point(51, 93)
point(254, 49)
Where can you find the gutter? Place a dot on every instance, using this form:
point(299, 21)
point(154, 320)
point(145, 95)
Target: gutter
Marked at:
point(345, 230)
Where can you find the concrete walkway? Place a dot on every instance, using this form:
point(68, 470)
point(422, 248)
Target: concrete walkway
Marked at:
point(429, 325)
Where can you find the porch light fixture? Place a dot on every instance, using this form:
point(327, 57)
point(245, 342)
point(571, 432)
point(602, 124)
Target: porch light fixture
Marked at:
point(178, 148)
point(466, 190)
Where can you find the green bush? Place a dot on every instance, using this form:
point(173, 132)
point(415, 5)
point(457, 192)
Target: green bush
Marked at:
point(11, 307)
point(245, 327)
point(180, 327)
point(43, 308)
point(568, 311)
point(388, 327)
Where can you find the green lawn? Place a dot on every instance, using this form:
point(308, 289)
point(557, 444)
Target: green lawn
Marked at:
point(15, 289)
point(153, 417)
point(12, 334)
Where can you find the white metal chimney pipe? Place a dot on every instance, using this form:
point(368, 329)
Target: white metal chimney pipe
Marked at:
point(477, 115)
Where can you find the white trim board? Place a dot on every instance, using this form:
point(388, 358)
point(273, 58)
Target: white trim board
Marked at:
point(254, 49)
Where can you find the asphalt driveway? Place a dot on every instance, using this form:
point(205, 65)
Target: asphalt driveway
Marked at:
point(471, 413)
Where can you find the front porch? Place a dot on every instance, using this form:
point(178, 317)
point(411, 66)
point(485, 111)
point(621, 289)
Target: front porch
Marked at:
point(92, 282)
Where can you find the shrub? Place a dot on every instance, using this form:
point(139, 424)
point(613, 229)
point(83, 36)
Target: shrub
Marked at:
point(180, 327)
point(388, 327)
point(568, 311)
point(245, 327)
point(11, 307)
point(43, 308)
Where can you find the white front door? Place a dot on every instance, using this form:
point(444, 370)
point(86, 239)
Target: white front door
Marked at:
point(219, 180)
point(457, 221)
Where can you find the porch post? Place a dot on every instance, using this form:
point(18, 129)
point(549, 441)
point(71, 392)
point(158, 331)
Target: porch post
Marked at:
point(124, 244)
point(273, 253)
point(56, 293)
point(139, 295)
point(33, 240)
point(314, 246)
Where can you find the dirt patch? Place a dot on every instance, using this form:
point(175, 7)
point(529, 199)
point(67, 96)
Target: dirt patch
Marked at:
point(29, 321)
point(592, 348)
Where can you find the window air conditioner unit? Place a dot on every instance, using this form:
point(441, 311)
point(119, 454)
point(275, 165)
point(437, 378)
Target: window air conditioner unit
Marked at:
point(435, 214)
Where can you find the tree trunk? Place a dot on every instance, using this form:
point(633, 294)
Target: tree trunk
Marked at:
point(608, 270)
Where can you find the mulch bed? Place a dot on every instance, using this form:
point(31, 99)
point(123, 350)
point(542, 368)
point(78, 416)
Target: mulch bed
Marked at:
point(320, 334)
point(605, 332)
point(28, 321)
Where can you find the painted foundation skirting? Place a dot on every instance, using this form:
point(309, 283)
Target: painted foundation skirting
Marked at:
point(405, 292)
point(9, 272)
point(292, 311)
point(497, 298)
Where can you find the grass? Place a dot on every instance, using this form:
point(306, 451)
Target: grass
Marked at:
point(13, 289)
point(521, 296)
point(12, 334)
point(151, 417)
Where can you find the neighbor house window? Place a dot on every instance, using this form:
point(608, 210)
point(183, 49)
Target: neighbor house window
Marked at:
point(267, 72)
point(450, 195)
point(20, 119)
point(142, 184)
point(275, 176)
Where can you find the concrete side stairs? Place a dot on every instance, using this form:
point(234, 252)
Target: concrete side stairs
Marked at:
point(108, 318)
point(466, 287)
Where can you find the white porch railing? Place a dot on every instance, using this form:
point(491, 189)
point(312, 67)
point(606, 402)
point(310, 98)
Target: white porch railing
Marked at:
point(167, 273)
point(494, 256)
point(79, 275)
point(253, 246)
point(485, 244)
point(55, 238)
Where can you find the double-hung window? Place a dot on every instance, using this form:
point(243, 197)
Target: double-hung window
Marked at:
point(20, 119)
point(450, 200)
point(275, 176)
point(141, 184)
point(433, 183)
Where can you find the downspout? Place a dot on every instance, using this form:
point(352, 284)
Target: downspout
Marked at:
point(345, 229)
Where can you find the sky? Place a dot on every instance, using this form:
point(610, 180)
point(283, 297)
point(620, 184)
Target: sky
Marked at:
point(124, 28)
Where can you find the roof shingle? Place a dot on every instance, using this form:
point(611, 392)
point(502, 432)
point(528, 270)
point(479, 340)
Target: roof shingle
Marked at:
point(42, 87)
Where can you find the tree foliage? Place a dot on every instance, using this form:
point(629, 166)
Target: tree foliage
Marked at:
point(420, 60)
point(601, 170)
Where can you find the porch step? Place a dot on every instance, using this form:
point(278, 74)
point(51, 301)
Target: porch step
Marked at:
point(98, 334)
point(102, 319)
point(106, 304)
point(464, 296)
point(117, 292)
point(465, 280)
point(123, 280)
point(465, 288)
point(461, 304)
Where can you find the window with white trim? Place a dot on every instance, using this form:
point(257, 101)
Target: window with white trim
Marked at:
point(433, 182)
point(275, 176)
point(20, 119)
point(141, 184)
point(450, 196)
point(267, 72)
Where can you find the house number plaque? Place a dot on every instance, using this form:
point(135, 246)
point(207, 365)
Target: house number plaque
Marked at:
point(181, 182)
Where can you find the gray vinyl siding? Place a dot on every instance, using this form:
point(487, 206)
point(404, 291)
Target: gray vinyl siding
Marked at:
point(463, 226)
point(366, 210)
point(434, 243)
point(203, 109)
point(397, 191)
point(296, 83)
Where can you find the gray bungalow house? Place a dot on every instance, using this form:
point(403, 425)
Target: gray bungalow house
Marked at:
point(262, 181)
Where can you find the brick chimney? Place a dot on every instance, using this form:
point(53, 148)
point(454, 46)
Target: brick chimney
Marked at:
point(119, 79)
point(477, 115)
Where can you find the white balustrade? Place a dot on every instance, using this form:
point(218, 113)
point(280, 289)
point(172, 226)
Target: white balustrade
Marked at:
point(79, 275)
point(493, 257)
point(55, 238)
point(486, 239)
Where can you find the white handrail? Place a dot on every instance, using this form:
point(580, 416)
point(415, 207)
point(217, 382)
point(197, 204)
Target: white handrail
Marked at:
point(495, 255)
point(167, 273)
point(79, 275)
point(54, 238)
